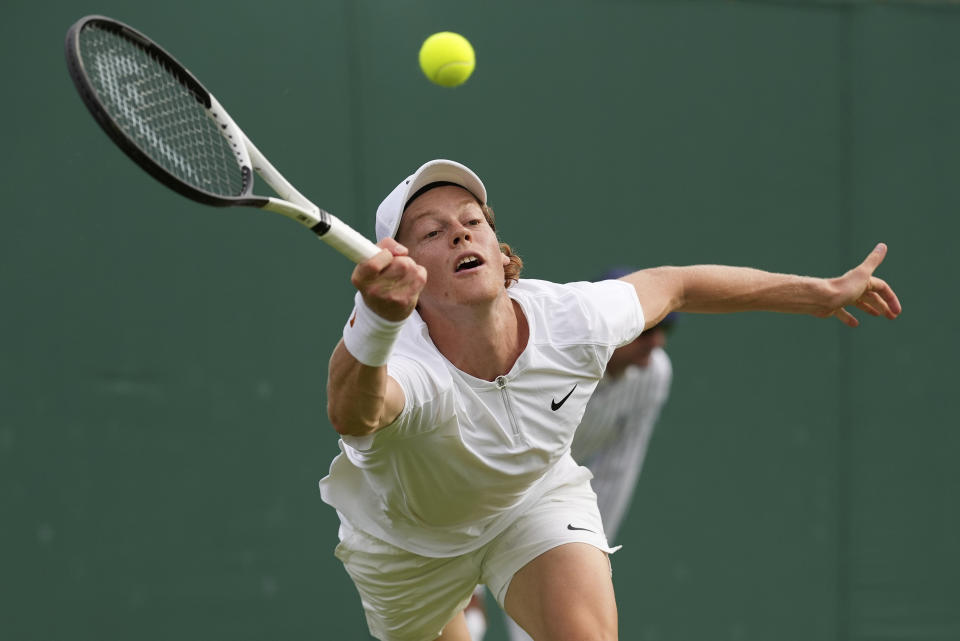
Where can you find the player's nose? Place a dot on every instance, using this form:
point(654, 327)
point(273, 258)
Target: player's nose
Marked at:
point(459, 236)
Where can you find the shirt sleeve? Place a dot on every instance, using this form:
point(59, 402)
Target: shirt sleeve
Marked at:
point(427, 396)
point(613, 309)
point(427, 393)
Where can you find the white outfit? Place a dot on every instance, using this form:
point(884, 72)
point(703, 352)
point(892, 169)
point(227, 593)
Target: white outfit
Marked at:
point(466, 458)
point(408, 597)
point(612, 439)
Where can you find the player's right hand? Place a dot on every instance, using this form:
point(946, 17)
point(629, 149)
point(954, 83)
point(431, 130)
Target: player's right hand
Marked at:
point(390, 282)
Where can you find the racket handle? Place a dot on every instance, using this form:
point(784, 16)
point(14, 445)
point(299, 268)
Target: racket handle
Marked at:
point(346, 240)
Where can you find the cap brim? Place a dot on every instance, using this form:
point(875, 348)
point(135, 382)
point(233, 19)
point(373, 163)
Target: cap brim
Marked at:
point(439, 170)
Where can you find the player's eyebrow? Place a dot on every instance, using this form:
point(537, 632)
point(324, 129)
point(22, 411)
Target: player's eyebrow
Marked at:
point(438, 213)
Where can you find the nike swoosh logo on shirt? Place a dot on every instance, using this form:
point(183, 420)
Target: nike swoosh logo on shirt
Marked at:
point(555, 405)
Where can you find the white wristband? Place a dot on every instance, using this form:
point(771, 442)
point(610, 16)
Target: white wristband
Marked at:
point(368, 337)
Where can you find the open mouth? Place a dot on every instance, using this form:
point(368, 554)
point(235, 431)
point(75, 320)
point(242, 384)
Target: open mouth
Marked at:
point(468, 262)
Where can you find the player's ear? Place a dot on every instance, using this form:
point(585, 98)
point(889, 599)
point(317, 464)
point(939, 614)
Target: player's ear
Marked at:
point(504, 259)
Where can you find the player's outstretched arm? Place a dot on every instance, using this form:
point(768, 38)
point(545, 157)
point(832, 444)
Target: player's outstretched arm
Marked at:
point(722, 289)
point(361, 397)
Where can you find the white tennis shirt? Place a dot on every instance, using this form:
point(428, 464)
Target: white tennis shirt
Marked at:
point(465, 455)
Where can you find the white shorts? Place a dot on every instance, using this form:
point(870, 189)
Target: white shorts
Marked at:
point(408, 597)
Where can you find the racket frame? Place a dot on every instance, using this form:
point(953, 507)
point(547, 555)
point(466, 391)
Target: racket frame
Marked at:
point(291, 203)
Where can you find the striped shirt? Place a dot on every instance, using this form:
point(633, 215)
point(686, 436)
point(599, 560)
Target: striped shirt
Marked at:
point(615, 430)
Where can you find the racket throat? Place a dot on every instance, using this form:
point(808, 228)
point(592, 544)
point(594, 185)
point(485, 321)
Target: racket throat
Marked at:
point(312, 217)
point(323, 226)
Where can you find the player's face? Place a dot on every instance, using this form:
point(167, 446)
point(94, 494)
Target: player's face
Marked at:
point(445, 231)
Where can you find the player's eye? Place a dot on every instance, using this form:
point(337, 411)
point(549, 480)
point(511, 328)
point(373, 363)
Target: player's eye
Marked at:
point(432, 234)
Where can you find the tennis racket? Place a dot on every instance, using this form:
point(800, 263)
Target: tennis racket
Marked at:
point(160, 115)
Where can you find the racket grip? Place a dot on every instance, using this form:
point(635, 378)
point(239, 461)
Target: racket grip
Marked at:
point(346, 240)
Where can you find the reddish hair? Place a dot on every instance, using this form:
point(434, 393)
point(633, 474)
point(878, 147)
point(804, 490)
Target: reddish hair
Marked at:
point(511, 272)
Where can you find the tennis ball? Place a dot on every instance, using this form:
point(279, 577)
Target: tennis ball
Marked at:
point(447, 58)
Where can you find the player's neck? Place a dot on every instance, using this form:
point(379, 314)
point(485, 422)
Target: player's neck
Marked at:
point(483, 341)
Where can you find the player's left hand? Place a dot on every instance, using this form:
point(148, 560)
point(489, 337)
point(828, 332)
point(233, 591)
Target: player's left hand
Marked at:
point(859, 287)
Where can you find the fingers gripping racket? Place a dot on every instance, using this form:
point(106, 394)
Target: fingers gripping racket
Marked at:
point(160, 115)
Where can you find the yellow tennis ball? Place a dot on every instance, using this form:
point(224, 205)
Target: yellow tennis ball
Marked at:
point(447, 58)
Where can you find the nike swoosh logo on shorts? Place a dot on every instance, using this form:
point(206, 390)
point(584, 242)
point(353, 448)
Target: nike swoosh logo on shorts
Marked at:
point(555, 405)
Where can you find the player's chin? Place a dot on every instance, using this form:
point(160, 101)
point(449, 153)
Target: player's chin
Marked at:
point(475, 288)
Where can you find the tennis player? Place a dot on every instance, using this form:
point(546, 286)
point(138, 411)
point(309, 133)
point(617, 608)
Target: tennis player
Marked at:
point(456, 390)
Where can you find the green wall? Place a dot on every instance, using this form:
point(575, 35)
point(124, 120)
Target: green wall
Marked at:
point(162, 364)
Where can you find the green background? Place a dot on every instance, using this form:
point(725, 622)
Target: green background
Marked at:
point(163, 364)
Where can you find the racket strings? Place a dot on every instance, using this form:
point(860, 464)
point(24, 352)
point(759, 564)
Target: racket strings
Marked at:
point(145, 97)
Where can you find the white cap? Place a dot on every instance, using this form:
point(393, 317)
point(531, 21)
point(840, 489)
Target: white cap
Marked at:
point(391, 209)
